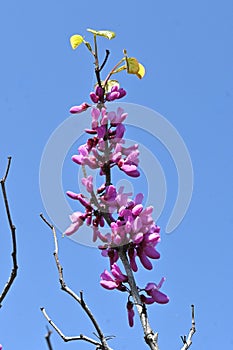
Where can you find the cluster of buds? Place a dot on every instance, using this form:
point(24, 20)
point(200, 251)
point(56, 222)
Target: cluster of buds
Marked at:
point(130, 224)
point(99, 96)
point(105, 149)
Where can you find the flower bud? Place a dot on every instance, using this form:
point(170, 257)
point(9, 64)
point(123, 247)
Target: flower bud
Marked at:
point(79, 109)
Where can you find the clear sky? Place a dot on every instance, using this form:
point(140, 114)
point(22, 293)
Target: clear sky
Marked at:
point(186, 47)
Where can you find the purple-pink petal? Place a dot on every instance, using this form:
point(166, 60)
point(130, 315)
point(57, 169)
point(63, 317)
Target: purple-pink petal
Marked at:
point(108, 284)
point(71, 229)
point(116, 272)
point(130, 313)
point(151, 252)
point(159, 297)
point(94, 97)
point(79, 109)
point(145, 261)
point(137, 209)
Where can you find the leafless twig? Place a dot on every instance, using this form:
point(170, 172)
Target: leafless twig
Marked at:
point(102, 343)
point(64, 337)
point(188, 340)
point(13, 236)
point(47, 338)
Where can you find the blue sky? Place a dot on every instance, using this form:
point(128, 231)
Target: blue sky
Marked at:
point(186, 47)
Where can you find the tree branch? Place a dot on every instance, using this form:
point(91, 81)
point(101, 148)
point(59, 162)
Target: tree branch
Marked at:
point(64, 337)
point(151, 338)
point(105, 60)
point(47, 338)
point(188, 340)
point(102, 344)
point(13, 236)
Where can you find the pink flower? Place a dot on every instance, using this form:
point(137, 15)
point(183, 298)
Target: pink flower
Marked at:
point(77, 219)
point(111, 253)
point(109, 195)
point(88, 183)
point(129, 164)
point(113, 282)
point(115, 93)
point(153, 290)
point(94, 97)
point(116, 271)
point(117, 117)
point(97, 95)
point(79, 109)
point(107, 281)
point(130, 311)
point(80, 198)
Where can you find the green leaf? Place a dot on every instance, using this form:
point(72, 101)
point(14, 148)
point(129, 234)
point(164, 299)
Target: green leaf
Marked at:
point(106, 33)
point(75, 41)
point(132, 65)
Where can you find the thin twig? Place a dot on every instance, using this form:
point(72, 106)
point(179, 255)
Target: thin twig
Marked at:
point(64, 337)
point(13, 236)
point(188, 340)
point(102, 343)
point(47, 338)
point(105, 60)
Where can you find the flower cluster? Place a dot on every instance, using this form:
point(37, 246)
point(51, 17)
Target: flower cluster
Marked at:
point(105, 149)
point(130, 224)
point(117, 280)
point(132, 235)
point(100, 96)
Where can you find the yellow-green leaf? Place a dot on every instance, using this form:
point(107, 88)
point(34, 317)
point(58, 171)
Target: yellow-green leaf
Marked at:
point(75, 41)
point(141, 72)
point(106, 33)
point(132, 65)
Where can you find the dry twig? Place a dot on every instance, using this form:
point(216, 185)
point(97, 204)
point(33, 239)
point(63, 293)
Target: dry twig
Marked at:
point(47, 338)
point(13, 236)
point(102, 343)
point(188, 340)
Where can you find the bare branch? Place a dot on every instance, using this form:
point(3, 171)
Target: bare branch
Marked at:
point(64, 337)
point(188, 340)
point(13, 236)
point(151, 338)
point(47, 338)
point(103, 343)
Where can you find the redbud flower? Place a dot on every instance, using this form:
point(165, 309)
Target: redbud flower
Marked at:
point(88, 183)
point(153, 290)
point(117, 117)
point(94, 97)
point(79, 109)
point(110, 282)
point(115, 93)
point(130, 313)
point(80, 198)
point(77, 220)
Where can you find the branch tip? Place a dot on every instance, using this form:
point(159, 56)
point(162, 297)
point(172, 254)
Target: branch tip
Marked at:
point(7, 169)
point(46, 221)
